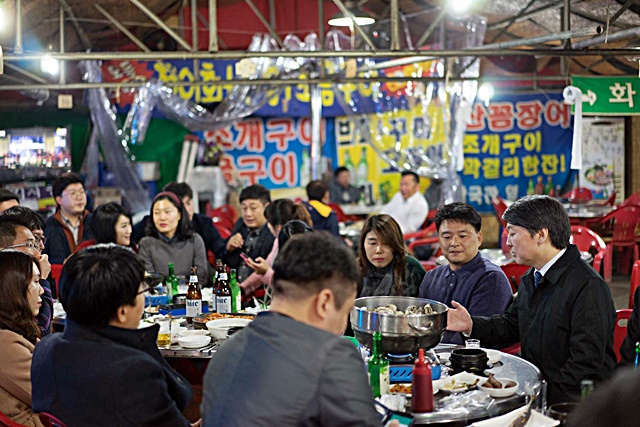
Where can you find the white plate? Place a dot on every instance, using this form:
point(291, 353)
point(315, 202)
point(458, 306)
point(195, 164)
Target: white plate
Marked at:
point(462, 377)
point(194, 333)
point(433, 386)
point(499, 392)
point(493, 355)
point(193, 341)
point(536, 420)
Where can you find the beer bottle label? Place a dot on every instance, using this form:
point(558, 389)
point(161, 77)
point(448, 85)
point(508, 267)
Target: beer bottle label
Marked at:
point(194, 307)
point(224, 304)
point(384, 380)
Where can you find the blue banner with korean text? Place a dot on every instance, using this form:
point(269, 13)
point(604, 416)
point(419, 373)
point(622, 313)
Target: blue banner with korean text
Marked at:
point(273, 152)
point(517, 145)
point(292, 102)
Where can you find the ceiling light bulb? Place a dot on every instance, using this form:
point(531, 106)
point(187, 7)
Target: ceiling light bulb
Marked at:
point(49, 65)
point(459, 6)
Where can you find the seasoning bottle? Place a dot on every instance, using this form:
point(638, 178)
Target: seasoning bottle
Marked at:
point(172, 282)
point(194, 296)
point(378, 368)
point(421, 386)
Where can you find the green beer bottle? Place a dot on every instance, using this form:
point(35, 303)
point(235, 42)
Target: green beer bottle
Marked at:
point(172, 282)
point(378, 368)
point(236, 303)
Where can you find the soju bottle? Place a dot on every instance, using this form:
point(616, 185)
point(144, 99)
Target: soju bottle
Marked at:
point(378, 368)
point(236, 301)
point(172, 282)
point(362, 170)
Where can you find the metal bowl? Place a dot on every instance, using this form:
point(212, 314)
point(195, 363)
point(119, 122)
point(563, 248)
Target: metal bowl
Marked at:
point(401, 333)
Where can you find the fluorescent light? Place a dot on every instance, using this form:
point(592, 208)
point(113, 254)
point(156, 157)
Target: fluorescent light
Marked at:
point(342, 21)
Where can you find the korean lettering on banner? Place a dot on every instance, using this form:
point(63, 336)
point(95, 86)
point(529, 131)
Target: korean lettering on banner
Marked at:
point(513, 143)
point(292, 102)
point(264, 151)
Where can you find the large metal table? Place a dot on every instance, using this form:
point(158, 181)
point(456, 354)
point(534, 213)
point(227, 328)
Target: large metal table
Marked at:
point(510, 367)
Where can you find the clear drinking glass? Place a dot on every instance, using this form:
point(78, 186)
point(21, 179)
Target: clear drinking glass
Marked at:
point(472, 343)
point(164, 334)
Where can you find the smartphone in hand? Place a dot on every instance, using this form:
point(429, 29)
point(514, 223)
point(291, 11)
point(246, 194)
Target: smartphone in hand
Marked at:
point(245, 257)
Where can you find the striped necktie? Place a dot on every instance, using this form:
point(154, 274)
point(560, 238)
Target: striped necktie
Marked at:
point(536, 279)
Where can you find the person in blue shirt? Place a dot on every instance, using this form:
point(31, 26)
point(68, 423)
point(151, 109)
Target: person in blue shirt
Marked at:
point(468, 278)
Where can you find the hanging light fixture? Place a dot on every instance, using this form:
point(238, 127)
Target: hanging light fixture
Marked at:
point(360, 17)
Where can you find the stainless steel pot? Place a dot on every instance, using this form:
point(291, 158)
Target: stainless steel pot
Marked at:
point(403, 333)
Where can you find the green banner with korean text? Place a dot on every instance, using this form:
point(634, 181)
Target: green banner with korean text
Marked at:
point(609, 96)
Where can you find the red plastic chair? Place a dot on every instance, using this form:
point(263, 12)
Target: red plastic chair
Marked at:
point(512, 349)
point(514, 273)
point(633, 199)
point(224, 231)
point(342, 217)
point(620, 331)
point(429, 231)
point(635, 282)
point(56, 271)
point(611, 201)
point(7, 422)
point(500, 206)
point(578, 195)
point(588, 241)
point(624, 221)
point(50, 421)
point(224, 221)
point(224, 211)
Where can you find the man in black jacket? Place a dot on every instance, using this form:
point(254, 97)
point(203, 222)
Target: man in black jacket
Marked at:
point(563, 316)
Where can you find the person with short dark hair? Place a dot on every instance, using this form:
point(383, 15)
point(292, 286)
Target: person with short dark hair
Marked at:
point(69, 226)
point(290, 365)
point(468, 278)
point(20, 293)
point(322, 216)
point(170, 238)
point(201, 224)
point(408, 206)
point(16, 232)
point(103, 370)
point(110, 224)
point(563, 316)
point(8, 199)
point(386, 268)
point(250, 235)
point(278, 213)
point(340, 189)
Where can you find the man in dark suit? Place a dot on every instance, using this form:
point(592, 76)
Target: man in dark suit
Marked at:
point(563, 316)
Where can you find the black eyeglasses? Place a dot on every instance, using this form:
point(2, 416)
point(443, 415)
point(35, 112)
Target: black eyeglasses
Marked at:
point(145, 291)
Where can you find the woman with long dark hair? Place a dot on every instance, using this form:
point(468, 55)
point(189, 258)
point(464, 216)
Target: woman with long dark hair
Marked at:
point(386, 268)
point(20, 302)
point(170, 238)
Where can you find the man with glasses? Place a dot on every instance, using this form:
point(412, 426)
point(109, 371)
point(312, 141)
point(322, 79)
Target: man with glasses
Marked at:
point(69, 226)
point(15, 234)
